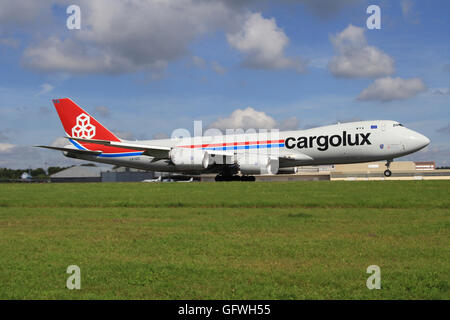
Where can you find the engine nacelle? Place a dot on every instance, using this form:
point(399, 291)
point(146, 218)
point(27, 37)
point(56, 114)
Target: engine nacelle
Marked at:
point(257, 164)
point(291, 170)
point(190, 159)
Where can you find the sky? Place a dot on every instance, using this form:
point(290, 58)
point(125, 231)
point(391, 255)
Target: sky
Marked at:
point(146, 68)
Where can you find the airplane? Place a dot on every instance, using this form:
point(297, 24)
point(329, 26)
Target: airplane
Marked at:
point(238, 156)
point(159, 179)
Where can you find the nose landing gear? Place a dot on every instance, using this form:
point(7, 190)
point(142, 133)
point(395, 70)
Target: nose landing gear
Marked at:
point(387, 172)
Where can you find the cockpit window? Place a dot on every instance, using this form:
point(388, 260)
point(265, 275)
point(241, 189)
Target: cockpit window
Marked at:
point(398, 125)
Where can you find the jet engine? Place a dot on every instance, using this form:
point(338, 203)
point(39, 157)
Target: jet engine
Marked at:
point(257, 164)
point(291, 170)
point(190, 159)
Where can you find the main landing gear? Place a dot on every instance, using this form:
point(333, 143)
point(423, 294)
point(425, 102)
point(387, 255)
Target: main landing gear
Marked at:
point(220, 177)
point(387, 172)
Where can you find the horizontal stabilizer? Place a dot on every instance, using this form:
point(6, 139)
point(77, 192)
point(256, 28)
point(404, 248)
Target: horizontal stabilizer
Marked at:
point(153, 151)
point(87, 152)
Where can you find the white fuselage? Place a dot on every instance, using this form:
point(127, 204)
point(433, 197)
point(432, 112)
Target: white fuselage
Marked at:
point(352, 142)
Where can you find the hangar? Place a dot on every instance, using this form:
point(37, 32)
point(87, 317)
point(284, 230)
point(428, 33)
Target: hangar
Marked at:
point(78, 174)
point(101, 174)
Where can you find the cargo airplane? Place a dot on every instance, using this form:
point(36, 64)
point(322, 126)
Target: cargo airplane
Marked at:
point(238, 156)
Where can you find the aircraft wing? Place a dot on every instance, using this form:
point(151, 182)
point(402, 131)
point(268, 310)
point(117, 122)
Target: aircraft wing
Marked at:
point(153, 151)
point(88, 152)
point(296, 157)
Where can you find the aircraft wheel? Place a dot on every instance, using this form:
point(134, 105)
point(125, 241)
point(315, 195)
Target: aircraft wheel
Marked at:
point(226, 178)
point(387, 173)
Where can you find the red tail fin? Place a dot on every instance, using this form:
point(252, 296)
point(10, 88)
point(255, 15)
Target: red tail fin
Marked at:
point(80, 124)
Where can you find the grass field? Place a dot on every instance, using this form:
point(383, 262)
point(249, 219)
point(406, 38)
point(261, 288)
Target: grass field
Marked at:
point(294, 240)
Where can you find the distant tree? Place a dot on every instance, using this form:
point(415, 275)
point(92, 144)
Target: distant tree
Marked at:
point(6, 174)
point(53, 170)
point(88, 165)
point(38, 172)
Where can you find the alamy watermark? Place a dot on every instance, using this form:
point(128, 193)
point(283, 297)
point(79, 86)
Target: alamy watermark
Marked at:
point(254, 149)
point(374, 281)
point(374, 20)
point(74, 280)
point(73, 21)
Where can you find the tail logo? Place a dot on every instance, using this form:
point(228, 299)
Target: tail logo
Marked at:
point(83, 129)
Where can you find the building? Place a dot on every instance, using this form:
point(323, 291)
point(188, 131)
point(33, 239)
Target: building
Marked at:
point(401, 170)
point(123, 174)
point(425, 165)
point(375, 167)
point(407, 167)
point(78, 174)
point(101, 174)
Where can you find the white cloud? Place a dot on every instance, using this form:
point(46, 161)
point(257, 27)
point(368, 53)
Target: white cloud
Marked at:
point(355, 58)
point(22, 14)
point(387, 89)
point(321, 8)
point(408, 11)
point(325, 8)
point(199, 62)
point(20, 157)
point(125, 135)
point(55, 55)
point(245, 119)
point(291, 123)
point(45, 88)
point(111, 42)
point(10, 42)
point(441, 91)
point(159, 32)
point(250, 118)
point(218, 68)
point(263, 44)
point(60, 142)
point(6, 147)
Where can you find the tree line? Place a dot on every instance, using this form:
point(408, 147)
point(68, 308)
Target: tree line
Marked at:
point(38, 173)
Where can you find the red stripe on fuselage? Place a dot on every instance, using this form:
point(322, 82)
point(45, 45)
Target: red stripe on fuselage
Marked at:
point(106, 149)
point(226, 144)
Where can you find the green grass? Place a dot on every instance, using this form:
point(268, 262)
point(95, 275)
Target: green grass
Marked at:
point(295, 240)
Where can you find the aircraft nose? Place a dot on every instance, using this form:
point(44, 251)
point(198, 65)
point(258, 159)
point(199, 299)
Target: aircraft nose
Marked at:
point(425, 141)
point(417, 141)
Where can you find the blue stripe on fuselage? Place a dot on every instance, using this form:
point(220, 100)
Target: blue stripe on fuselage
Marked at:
point(107, 155)
point(115, 155)
point(77, 145)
